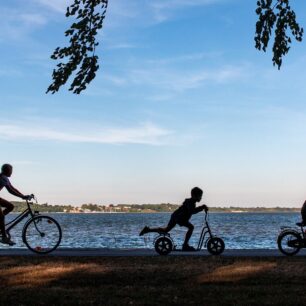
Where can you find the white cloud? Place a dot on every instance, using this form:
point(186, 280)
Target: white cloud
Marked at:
point(178, 81)
point(185, 58)
point(33, 19)
point(115, 79)
point(18, 31)
point(144, 12)
point(174, 4)
point(59, 6)
point(31, 16)
point(120, 46)
point(10, 72)
point(165, 9)
point(148, 134)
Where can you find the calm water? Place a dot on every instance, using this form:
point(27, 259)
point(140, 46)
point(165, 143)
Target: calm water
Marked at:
point(239, 231)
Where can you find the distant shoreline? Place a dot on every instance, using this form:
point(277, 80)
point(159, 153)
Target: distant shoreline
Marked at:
point(165, 212)
point(143, 208)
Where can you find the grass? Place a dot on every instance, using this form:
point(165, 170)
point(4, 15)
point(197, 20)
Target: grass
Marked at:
point(152, 281)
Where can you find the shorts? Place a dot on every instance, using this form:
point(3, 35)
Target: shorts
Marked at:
point(174, 221)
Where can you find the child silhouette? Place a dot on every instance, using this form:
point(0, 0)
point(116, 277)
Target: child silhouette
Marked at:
point(181, 217)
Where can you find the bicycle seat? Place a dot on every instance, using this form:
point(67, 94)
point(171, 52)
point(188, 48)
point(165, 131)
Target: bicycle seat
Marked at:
point(301, 223)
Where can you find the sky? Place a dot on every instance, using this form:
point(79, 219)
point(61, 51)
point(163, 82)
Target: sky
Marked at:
point(182, 99)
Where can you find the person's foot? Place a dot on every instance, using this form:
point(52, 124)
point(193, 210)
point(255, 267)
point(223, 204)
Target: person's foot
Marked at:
point(145, 230)
point(7, 240)
point(188, 248)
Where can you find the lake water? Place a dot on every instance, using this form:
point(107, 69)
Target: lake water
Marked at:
point(239, 230)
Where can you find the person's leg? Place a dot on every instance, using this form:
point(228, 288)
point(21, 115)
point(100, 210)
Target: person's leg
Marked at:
point(303, 213)
point(189, 232)
point(8, 207)
point(166, 229)
point(2, 226)
point(304, 219)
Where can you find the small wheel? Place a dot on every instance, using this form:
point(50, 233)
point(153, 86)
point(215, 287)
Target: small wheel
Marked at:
point(215, 246)
point(42, 234)
point(163, 245)
point(289, 243)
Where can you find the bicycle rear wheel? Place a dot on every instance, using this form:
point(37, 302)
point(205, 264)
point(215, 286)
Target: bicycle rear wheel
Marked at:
point(42, 234)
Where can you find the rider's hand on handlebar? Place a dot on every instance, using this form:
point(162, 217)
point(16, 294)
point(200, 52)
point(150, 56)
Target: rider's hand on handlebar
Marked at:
point(28, 197)
point(205, 208)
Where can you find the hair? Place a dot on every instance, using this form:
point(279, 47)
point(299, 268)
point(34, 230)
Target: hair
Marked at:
point(6, 167)
point(196, 191)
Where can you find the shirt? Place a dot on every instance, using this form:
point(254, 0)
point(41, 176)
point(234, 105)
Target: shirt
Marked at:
point(4, 181)
point(186, 210)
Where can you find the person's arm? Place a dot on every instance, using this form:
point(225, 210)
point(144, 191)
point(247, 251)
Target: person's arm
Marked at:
point(12, 190)
point(200, 208)
point(193, 209)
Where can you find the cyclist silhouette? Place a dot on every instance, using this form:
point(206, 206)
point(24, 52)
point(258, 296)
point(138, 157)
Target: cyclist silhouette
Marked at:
point(303, 213)
point(181, 217)
point(6, 172)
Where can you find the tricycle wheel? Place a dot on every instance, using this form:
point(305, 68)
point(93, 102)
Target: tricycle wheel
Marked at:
point(163, 245)
point(289, 243)
point(215, 246)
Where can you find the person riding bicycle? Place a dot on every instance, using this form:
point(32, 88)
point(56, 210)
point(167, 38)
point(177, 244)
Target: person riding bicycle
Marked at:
point(303, 213)
point(6, 172)
point(181, 217)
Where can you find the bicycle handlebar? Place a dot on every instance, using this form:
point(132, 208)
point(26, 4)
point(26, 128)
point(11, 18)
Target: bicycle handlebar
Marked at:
point(30, 198)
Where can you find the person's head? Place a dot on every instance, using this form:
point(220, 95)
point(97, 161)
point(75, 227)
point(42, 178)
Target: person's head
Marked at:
point(196, 193)
point(7, 170)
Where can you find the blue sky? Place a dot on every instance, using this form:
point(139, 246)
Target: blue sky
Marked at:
point(182, 99)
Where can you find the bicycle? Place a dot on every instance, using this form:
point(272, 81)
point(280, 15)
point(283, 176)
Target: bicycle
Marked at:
point(164, 244)
point(41, 234)
point(290, 240)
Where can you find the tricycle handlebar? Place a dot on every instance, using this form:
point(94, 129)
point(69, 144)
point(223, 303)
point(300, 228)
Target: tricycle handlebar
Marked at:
point(206, 213)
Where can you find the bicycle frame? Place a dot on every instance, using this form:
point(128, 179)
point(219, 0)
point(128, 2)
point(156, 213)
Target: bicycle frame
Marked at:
point(20, 217)
point(303, 232)
point(288, 228)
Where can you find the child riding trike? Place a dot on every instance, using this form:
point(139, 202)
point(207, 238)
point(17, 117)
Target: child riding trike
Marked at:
point(164, 244)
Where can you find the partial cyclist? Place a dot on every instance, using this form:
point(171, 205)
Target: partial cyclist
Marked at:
point(6, 172)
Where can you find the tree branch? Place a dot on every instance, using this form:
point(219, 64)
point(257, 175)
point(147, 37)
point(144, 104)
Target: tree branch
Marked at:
point(280, 18)
point(80, 54)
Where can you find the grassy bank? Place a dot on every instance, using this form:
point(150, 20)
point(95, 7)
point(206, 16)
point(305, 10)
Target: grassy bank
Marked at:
point(152, 281)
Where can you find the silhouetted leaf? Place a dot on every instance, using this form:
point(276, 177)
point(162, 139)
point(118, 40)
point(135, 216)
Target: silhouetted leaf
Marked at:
point(80, 57)
point(276, 15)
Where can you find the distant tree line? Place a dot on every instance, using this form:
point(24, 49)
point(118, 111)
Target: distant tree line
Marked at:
point(139, 208)
point(21, 206)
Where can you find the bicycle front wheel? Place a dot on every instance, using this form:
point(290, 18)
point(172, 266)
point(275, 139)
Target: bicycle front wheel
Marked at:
point(42, 234)
point(289, 243)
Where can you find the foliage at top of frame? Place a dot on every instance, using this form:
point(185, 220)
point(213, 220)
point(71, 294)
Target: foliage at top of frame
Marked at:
point(278, 16)
point(79, 60)
point(79, 57)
